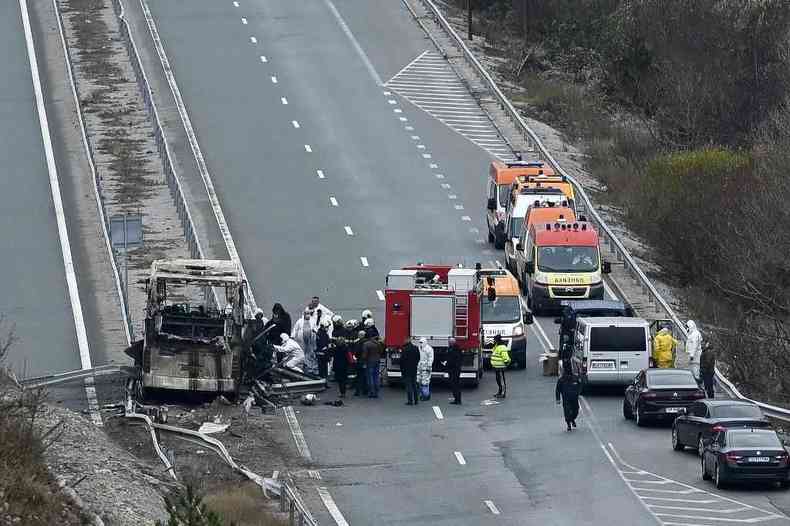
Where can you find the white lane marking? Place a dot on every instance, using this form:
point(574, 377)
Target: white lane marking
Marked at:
point(253, 40)
point(397, 110)
point(392, 101)
point(409, 128)
point(451, 196)
point(244, 21)
point(295, 124)
point(466, 218)
point(415, 137)
point(364, 261)
point(491, 506)
point(284, 100)
point(459, 207)
point(333, 200)
point(307, 148)
point(320, 174)
point(460, 458)
point(274, 79)
point(446, 186)
point(438, 412)
point(348, 230)
point(197, 153)
point(380, 295)
point(357, 47)
point(403, 119)
point(420, 146)
point(296, 432)
point(235, 4)
point(331, 507)
point(439, 176)
point(314, 474)
point(60, 216)
point(609, 291)
point(426, 155)
point(433, 166)
point(387, 93)
point(543, 334)
point(264, 59)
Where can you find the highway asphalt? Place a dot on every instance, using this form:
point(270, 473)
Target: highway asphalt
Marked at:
point(33, 292)
point(278, 90)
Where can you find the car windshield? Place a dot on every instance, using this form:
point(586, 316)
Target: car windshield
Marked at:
point(736, 411)
point(504, 194)
point(502, 310)
point(515, 226)
point(750, 439)
point(678, 378)
point(607, 339)
point(568, 259)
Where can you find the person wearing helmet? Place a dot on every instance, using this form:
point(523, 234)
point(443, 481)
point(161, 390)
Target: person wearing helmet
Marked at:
point(424, 369)
point(322, 340)
point(366, 314)
point(294, 355)
point(304, 332)
point(370, 328)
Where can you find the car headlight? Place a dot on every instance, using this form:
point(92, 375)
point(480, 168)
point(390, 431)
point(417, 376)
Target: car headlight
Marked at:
point(518, 331)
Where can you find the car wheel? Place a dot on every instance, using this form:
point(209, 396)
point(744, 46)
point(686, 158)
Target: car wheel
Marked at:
point(705, 475)
point(717, 477)
point(640, 420)
point(677, 445)
point(700, 446)
point(628, 413)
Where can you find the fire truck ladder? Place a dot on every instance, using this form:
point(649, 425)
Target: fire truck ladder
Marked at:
point(461, 316)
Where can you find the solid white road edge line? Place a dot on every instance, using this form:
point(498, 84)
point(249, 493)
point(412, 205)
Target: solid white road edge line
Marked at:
point(543, 334)
point(492, 507)
point(609, 290)
point(357, 47)
point(438, 412)
point(60, 216)
point(222, 223)
point(460, 458)
point(296, 433)
point(331, 507)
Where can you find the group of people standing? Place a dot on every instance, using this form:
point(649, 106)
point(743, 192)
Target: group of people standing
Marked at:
point(701, 355)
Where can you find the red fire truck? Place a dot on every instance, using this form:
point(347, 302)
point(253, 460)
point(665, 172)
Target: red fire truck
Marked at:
point(434, 302)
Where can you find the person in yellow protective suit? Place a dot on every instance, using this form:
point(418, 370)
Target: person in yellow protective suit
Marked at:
point(664, 347)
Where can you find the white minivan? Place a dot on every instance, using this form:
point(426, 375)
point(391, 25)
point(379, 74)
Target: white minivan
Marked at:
point(611, 351)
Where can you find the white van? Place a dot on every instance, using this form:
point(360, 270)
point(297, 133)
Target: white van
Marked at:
point(611, 350)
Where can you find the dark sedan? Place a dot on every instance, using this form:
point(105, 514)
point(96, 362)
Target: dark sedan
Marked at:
point(745, 455)
point(706, 417)
point(660, 394)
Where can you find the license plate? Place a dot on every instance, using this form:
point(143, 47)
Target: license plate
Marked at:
point(673, 409)
point(759, 459)
point(602, 365)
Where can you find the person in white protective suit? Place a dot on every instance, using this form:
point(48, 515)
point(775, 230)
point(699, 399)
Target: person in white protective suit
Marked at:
point(694, 348)
point(304, 332)
point(424, 368)
point(314, 307)
point(294, 355)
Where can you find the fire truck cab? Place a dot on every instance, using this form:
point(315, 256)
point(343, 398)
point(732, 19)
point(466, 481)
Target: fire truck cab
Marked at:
point(435, 302)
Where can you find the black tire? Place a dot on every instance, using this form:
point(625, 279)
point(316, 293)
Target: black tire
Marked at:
point(718, 479)
point(677, 445)
point(700, 446)
point(641, 421)
point(628, 413)
point(705, 474)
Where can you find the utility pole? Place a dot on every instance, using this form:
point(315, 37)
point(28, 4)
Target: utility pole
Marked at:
point(469, 19)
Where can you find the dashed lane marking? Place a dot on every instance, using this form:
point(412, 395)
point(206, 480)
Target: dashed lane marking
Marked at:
point(333, 200)
point(446, 186)
point(235, 4)
point(460, 458)
point(459, 207)
point(348, 230)
point(433, 166)
point(491, 506)
point(364, 261)
point(331, 507)
point(439, 176)
point(466, 218)
point(403, 119)
point(409, 128)
point(320, 174)
point(284, 100)
point(295, 124)
point(264, 59)
point(427, 155)
point(415, 137)
point(253, 40)
point(244, 21)
point(451, 196)
point(438, 412)
point(380, 295)
point(274, 79)
point(307, 148)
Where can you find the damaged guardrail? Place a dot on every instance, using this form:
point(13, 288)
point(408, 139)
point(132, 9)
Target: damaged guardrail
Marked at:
point(615, 245)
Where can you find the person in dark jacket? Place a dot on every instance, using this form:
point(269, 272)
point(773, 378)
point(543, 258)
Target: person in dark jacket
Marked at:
point(371, 354)
point(280, 323)
point(370, 328)
point(340, 363)
point(361, 381)
point(707, 368)
point(569, 388)
point(409, 358)
point(453, 365)
point(322, 347)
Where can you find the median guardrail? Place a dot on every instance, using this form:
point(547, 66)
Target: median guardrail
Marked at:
point(606, 232)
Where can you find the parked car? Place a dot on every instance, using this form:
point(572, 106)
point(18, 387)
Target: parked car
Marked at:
point(707, 417)
point(745, 455)
point(660, 394)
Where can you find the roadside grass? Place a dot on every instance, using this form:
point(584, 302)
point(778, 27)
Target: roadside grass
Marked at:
point(243, 505)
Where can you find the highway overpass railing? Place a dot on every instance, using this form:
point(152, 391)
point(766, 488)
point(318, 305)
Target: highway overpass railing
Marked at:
point(622, 254)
